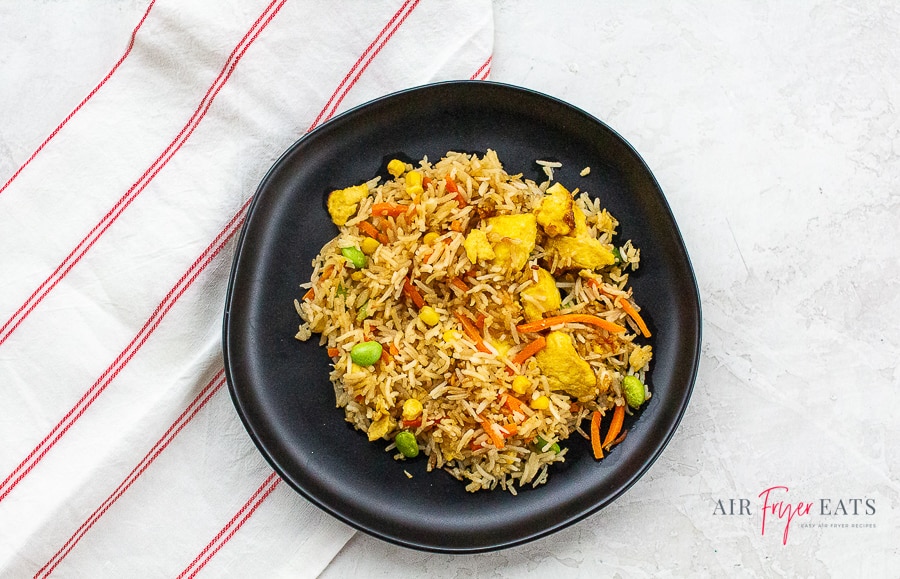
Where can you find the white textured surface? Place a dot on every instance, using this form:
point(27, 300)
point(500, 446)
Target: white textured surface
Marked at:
point(774, 131)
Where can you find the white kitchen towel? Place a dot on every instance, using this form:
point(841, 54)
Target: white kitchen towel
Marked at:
point(132, 136)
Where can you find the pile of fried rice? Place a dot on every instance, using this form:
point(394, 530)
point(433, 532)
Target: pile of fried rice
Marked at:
point(500, 307)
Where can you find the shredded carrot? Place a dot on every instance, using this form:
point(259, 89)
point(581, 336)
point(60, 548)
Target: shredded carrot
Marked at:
point(513, 403)
point(310, 294)
point(412, 293)
point(615, 426)
point(389, 209)
point(459, 283)
point(456, 225)
point(479, 321)
point(385, 357)
point(495, 438)
point(414, 423)
point(393, 349)
point(326, 273)
point(334, 352)
point(629, 309)
point(595, 435)
point(426, 181)
point(538, 325)
point(472, 332)
point(450, 185)
point(511, 429)
point(368, 229)
point(528, 351)
point(624, 304)
point(574, 408)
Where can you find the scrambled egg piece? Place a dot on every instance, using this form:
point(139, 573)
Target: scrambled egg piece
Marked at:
point(555, 213)
point(513, 238)
point(640, 356)
point(381, 427)
point(540, 297)
point(477, 246)
point(580, 250)
point(343, 203)
point(564, 368)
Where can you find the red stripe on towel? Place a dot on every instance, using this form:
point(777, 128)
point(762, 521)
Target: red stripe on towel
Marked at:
point(100, 228)
point(371, 51)
point(231, 527)
point(484, 72)
point(85, 99)
point(189, 413)
point(72, 416)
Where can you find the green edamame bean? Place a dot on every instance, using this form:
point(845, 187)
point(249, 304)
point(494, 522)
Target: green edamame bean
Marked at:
point(366, 353)
point(355, 256)
point(363, 313)
point(540, 444)
point(406, 444)
point(634, 391)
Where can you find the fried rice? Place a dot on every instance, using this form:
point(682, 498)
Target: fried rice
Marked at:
point(500, 307)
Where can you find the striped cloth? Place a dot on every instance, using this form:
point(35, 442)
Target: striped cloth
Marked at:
point(132, 136)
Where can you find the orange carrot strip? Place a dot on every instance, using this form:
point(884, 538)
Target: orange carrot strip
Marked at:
point(459, 283)
point(479, 321)
point(389, 209)
point(495, 438)
point(334, 352)
point(393, 349)
point(412, 293)
point(529, 350)
point(414, 423)
point(595, 435)
point(310, 294)
point(615, 426)
point(450, 185)
point(385, 357)
point(511, 429)
point(368, 229)
point(538, 325)
point(456, 225)
point(472, 332)
point(629, 309)
point(426, 181)
point(513, 403)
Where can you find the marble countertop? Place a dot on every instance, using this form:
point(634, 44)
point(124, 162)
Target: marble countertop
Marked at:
point(774, 132)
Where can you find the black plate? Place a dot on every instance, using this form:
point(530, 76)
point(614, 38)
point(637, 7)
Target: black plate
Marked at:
point(280, 386)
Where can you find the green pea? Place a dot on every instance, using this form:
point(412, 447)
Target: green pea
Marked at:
point(634, 391)
point(366, 353)
point(540, 444)
point(355, 256)
point(406, 444)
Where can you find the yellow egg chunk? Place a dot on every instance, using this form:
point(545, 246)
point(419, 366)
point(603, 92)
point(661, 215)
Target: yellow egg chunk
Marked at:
point(513, 238)
point(343, 203)
point(540, 297)
point(396, 167)
point(555, 213)
point(477, 246)
point(564, 368)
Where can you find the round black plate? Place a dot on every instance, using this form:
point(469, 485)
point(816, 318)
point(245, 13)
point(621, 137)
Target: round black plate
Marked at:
point(280, 386)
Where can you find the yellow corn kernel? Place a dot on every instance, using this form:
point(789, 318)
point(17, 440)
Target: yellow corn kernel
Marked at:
point(368, 245)
point(451, 336)
point(396, 167)
point(429, 315)
point(430, 238)
point(520, 384)
point(412, 408)
point(357, 275)
point(414, 183)
point(540, 403)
